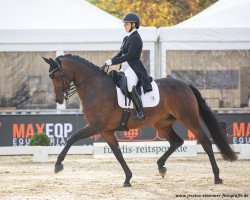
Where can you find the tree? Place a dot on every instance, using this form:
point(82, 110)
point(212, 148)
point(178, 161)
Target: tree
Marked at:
point(155, 12)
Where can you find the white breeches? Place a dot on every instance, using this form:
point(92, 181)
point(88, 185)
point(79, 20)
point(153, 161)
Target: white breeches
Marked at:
point(132, 78)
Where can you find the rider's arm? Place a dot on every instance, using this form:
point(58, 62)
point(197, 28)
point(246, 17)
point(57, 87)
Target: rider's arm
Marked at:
point(133, 47)
point(120, 52)
point(118, 55)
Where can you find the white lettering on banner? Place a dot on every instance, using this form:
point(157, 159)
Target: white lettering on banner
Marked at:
point(58, 130)
point(241, 140)
point(67, 129)
point(15, 142)
point(145, 149)
point(21, 142)
point(49, 130)
point(58, 141)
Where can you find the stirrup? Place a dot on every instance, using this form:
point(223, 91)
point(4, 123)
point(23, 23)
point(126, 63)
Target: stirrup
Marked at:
point(140, 116)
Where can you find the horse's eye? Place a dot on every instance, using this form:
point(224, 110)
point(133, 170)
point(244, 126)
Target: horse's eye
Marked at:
point(56, 75)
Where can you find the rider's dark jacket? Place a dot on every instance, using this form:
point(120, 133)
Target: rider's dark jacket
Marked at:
point(131, 52)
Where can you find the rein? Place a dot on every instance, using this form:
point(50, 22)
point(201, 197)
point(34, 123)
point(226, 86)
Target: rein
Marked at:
point(104, 67)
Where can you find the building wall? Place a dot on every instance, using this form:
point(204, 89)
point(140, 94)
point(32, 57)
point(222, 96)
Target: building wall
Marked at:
point(24, 80)
point(222, 76)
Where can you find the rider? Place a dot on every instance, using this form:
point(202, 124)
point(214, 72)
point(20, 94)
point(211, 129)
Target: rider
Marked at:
point(131, 65)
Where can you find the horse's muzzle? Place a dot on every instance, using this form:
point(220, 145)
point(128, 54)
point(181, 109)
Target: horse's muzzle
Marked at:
point(59, 99)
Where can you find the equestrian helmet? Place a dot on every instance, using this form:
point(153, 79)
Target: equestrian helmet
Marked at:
point(132, 17)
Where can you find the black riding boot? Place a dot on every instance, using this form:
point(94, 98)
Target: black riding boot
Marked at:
point(136, 98)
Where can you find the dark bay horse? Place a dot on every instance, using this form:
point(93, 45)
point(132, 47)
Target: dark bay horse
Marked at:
point(178, 102)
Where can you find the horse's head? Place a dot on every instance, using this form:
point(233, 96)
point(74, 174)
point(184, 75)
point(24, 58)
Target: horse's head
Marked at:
point(60, 80)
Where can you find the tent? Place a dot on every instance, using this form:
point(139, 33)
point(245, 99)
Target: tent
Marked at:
point(224, 25)
point(219, 32)
point(30, 29)
point(60, 21)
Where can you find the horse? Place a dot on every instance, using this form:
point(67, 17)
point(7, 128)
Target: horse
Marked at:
point(97, 92)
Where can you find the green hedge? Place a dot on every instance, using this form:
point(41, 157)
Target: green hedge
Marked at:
point(40, 139)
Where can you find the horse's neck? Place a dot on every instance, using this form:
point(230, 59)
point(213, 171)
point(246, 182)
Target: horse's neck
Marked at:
point(83, 73)
point(90, 81)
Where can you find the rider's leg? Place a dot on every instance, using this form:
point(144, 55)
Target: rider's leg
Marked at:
point(132, 80)
point(136, 98)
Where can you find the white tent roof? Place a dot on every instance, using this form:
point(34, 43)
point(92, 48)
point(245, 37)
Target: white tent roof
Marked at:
point(54, 14)
point(223, 14)
point(53, 21)
point(225, 21)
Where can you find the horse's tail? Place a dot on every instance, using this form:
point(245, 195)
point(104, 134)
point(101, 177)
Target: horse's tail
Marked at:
point(214, 127)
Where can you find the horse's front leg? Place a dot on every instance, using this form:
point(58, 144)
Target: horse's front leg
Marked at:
point(113, 143)
point(86, 132)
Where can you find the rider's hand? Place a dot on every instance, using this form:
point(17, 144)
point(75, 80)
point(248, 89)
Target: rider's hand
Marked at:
point(108, 62)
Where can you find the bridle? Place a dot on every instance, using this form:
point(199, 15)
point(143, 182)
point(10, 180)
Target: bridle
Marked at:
point(67, 91)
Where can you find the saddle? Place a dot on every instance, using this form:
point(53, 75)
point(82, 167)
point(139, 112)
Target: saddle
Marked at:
point(149, 99)
point(120, 81)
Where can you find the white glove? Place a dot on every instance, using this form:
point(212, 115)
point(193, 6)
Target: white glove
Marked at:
point(108, 62)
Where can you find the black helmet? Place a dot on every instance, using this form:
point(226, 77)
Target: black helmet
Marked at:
point(132, 17)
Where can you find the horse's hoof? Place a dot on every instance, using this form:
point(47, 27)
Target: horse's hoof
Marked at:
point(218, 181)
point(58, 167)
point(163, 171)
point(126, 185)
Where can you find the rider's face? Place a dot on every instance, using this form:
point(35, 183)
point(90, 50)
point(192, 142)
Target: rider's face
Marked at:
point(128, 25)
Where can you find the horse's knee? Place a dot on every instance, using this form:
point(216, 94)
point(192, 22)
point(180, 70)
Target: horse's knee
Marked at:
point(180, 142)
point(176, 140)
point(177, 143)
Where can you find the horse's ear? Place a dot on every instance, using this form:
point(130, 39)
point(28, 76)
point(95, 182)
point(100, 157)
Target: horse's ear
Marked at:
point(46, 60)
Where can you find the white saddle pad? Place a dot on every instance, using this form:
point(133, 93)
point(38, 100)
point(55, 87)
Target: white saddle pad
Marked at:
point(150, 99)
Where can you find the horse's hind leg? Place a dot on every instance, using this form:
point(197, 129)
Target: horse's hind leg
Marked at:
point(167, 131)
point(110, 138)
point(197, 130)
point(207, 146)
